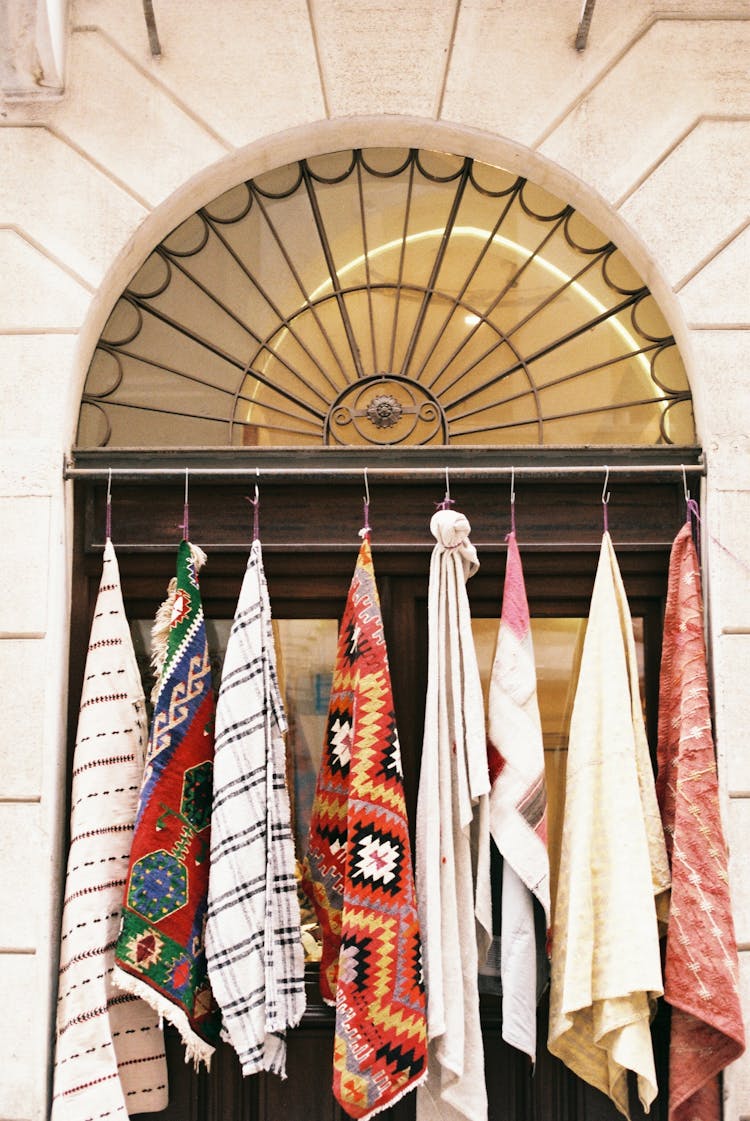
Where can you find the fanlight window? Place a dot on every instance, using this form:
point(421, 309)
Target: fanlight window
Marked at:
point(385, 297)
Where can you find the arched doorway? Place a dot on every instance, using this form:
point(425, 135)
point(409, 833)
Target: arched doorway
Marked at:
point(400, 310)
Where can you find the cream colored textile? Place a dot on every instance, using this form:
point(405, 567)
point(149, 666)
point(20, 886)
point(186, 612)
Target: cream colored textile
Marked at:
point(109, 1059)
point(606, 968)
point(452, 853)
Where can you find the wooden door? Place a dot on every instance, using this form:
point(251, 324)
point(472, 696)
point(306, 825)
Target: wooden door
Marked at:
point(308, 581)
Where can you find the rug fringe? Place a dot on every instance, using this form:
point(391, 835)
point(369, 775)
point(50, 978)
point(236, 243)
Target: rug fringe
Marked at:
point(197, 1050)
point(392, 1101)
point(160, 635)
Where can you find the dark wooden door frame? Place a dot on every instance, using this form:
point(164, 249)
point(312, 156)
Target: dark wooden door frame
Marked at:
point(312, 527)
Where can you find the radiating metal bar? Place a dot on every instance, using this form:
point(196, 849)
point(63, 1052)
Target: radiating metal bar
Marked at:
point(283, 319)
point(258, 196)
point(567, 416)
point(500, 296)
point(402, 255)
point(567, 377)
point(177, 263)
point(332, 271)
point(463, 179)
point(482, 254)
point(363, 223)
point(558, 292)
point(541, 353)
point(224, 355)
point(202, 416)
point(103, 399)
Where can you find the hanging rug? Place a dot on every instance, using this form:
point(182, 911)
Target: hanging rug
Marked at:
point(160, 950)
point(701, 969)
point(358, 872)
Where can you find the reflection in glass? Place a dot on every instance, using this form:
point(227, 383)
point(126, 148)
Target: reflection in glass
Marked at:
point(558, 644)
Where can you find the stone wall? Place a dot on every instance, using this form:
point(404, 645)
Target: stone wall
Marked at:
point(647, 131)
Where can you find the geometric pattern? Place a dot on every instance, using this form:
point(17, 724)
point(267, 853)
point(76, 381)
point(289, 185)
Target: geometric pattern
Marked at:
point(358, 872)
point(253, 938)
point(158, 885)
point(197, 793)
point(160, 951)
point(701, 972)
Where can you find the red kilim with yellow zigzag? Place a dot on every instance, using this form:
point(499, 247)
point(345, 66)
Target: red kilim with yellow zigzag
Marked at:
point(358, 872)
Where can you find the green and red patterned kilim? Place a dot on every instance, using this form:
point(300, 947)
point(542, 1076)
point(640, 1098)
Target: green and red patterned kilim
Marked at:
point(358, 872)
point(160, 950)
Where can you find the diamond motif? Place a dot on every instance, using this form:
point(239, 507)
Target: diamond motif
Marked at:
point(376, 859)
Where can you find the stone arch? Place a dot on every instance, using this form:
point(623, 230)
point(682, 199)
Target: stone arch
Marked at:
point(277, 149)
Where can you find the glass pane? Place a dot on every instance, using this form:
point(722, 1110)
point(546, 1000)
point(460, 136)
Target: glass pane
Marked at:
point(557, 652)
point(306, 652)
point(385, 298)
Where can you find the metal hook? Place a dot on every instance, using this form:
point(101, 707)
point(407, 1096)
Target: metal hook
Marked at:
point(366, 503)
point(512, 499)
point(185, 527)
point(684, 483)
point(108, 515)
point(605, 500)
point(447, 501)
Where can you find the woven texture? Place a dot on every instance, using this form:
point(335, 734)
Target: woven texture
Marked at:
point(606, 967)
point(160, 950)
point(518, 811)
point(453, 841)
point(109, 1058)
point(701, 970)
point(358, 872)
point(253, 942)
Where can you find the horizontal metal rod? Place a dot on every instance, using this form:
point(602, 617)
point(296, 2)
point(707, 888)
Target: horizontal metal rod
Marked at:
point(101, 474)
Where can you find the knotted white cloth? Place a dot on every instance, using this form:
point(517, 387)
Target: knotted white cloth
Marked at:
point(253, 940)
point(452, 849)
point(518, 810)
point(109, 1058)
point(614, 875)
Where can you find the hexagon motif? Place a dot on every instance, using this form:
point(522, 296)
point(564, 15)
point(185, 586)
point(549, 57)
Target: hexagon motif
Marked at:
point(158, 885)
point(197, 793)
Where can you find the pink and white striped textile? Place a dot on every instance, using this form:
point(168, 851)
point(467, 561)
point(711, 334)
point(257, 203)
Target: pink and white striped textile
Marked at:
point(518, 811)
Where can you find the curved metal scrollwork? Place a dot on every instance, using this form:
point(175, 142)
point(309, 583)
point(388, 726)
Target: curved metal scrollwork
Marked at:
point(385, 297)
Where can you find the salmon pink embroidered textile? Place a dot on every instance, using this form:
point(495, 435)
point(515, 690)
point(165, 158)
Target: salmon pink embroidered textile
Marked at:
point(701, 967)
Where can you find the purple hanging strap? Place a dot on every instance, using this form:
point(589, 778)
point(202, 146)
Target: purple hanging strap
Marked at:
point(447, 501)
point(185, 525)
point(366, 528)
point(512, 502)
point(108, 514)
